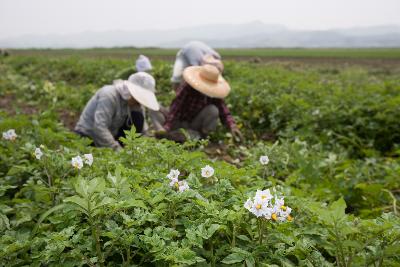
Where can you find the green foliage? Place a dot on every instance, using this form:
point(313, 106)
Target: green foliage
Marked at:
point(334, 156)
point(122, 211)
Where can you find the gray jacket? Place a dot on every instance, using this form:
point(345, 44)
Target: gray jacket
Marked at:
point(194, 51)
point(191, 55)
point(104, 114)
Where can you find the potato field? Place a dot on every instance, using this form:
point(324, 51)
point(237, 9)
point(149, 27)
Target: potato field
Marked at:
point(322, 144)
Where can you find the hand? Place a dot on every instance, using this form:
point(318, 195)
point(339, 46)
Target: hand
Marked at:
point(160, 134)
point(237, 135)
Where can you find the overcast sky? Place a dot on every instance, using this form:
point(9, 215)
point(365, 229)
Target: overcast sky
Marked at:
point(18, 17)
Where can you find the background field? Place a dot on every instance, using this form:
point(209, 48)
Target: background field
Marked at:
point(334, 53)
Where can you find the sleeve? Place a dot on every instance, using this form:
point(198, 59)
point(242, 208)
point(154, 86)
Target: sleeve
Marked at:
point(225, 115)
point(179, 65)
point(145, 124)
point(176, 107)
point(102, 122)
point(157, 119)
point(215, 54)
point(194, 55)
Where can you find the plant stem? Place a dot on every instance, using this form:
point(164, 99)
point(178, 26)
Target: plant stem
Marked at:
point(393, 199)
point(260, 233)
point(95, 234)
point(339, 244)
point(172, 214)
point(233, 244)
point(128, 256)
point(98, 246)
point(50, 184)
point(212, 254)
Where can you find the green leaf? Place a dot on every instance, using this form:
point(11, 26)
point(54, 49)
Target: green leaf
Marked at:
point(96, 185)
point(81, 187)
point(4, 222)
point(338, 209)
point(243, 237)
point(135, 203)
point(4, 188)
point(45, 215)
point(392, 250)
point(104, 202)
point(213, 228)
point(250, 262)
point(334, 213)
point(158, 198)
point(352, 244)
point(233, 258)
point(82, 203)
point(86, 188)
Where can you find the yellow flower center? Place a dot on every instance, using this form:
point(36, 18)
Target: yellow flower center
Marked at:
point(283, 208)
point(290, 218)
point(263, 197)
point(176, 185)
point(274, 217)
point(258, 206)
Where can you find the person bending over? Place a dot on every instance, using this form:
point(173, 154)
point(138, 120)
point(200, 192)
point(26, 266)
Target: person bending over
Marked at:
point(199, 104)
point(117, 107)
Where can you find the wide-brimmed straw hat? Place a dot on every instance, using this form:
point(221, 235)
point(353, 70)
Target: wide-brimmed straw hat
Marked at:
point(142, 87)
point(208, 80)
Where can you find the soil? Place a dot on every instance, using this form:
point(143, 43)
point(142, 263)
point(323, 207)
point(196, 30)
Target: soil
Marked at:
point(68, 118)
point(12, 106)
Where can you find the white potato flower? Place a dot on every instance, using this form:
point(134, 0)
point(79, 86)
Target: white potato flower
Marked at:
point(207, 171)
point(38, 153)
point(284, 214)
point(279, 201)
point(10, 135)
point(174, 183)
point(183, 186)
point(173, 174)
point(280, 212)
point(260, 207)
point(264, 160)
point(264, 194)
point(268, 206)
point(88, 159)
point(315, 112)
point(332, 158)
point(77, 162)
point(248, 204)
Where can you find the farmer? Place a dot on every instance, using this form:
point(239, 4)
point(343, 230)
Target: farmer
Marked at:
point(143, 64)
point(190, 55)
point(118, 107)
point(199, 103)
